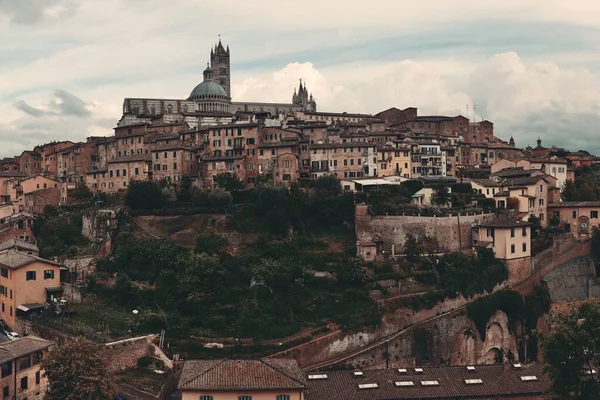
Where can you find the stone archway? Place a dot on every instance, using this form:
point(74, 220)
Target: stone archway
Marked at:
point(465, 348)
point(493, 356)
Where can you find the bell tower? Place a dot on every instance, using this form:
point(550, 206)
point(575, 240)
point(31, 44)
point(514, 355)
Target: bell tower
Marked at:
point(221, 66)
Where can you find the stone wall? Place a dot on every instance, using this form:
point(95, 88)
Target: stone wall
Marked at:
point(575, 280)
point(124, 354)
point(72, 292)
point(97, 225)
point(452, 233)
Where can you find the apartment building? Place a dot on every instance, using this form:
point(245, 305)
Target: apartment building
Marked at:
point(118, 173)
point(427, 158)
point(344, 160)
point(528, 195)
point(580, 217)
point(264, 379)
point(174, 162)
point(27, 283)
point(30, 162)
point(22, 376)
point(394, 160)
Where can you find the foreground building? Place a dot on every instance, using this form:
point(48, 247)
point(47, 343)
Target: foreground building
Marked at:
point(510, 382)
point(265, 379)
point(27, 284)
point(22, 376)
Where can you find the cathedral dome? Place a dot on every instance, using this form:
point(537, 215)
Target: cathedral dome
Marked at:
point(208, 89)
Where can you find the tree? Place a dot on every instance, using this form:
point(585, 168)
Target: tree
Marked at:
point(441, 195)
point(145, 195)
point(219, 198)
point(185, 189)
point(228, 182)
point(596, 244)
point(75, 371)
point(328, 185)
point(536, 226)
point(81, 193)
point(512, 203)
point(572, 350)
point(412, 248)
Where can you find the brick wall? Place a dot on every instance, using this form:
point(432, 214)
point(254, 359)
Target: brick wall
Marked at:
point(124, 354)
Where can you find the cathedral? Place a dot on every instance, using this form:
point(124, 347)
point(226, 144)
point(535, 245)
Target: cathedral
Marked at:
point(210, 101)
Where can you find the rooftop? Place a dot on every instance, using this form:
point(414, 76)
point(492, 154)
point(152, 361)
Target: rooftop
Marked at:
point(18, 244)
point(568, 204)
point(15, 259)
point(263, 374)
point(20, 347)
point(442, 382)
point(504, 222)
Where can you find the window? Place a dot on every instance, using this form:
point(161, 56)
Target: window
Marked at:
point(30, 276)
point(512, 232)
point(512, 249)
point(5, 392)
point(118, 172)
point(244, 397)
point(4, 271)
point(541, 202)
point(174, 166)
point(524, 231)
point(524, 247)
point(6, 369)
point(593, 215)
point(137, 171)
point(37, 378)
point(24, 363)
point(574, 214)
point(286, 163)
point(24, 383)
point(206, 398)
point(49, 274)
point(287, 177)
point(282, 397)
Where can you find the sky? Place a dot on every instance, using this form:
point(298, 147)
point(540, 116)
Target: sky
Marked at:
point(531, 67)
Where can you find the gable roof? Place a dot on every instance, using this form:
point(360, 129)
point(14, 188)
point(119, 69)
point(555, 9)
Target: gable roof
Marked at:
point(496, 381)
point(224, 375)
point(18, 244)
point(15, 259)
point(20, 347)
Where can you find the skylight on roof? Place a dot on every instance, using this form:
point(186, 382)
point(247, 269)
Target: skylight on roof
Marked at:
point(430, 383)
point(590, 371)
point(473, 381)
point(317, 376)
point(404, 383)
point(419, 370)
point(517, 366)
point(470, 368)
point(528, 378)
point(368, 386)
point(403, 370)
point(358, 373)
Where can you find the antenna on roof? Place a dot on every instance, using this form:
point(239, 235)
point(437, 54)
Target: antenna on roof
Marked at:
point(474, 113)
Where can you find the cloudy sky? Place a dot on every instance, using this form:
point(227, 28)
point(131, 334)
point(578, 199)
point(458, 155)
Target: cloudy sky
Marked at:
point(530, 66)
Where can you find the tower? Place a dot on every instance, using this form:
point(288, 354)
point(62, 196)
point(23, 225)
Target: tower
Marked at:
point(220, 65)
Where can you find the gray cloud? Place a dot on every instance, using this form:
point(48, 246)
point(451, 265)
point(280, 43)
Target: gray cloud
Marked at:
point(63, 103)
point(32, 11)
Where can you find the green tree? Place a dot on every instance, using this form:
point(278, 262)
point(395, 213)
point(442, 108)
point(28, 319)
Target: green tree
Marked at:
point(81, 193)
point(569, 191)
point(536, 226)
point(145, 195)
point(441, 195)
point(596, 244)
point(328, 185)
point(572, 350)
point(228, 182)
point(353, 272)
point(75, 371)
point(185, 189)
point(412, 248)
point(219, 198)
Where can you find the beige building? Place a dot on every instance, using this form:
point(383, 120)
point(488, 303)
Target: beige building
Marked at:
point(27, 283)
point(486, 187)
point(22, 376)
point(264, 379)
point(527, 195)
point(510, 240)
point(394, 160)
point(174, 162)
point(581, 217)
point(344, 160)
point(118, 173)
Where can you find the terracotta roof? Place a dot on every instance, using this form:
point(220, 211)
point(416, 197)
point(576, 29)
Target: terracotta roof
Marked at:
point(129, 158)
point(568, 204)
point(20, 347)
point(16, 259)
point(486, 182)
point(18, 244)
point(504, 222)
point(222, 375)
point(495, 380)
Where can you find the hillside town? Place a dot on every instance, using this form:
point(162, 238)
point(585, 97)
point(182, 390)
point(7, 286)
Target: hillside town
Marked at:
point(212, 249)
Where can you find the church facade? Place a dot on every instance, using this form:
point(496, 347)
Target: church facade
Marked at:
point(210, 101)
